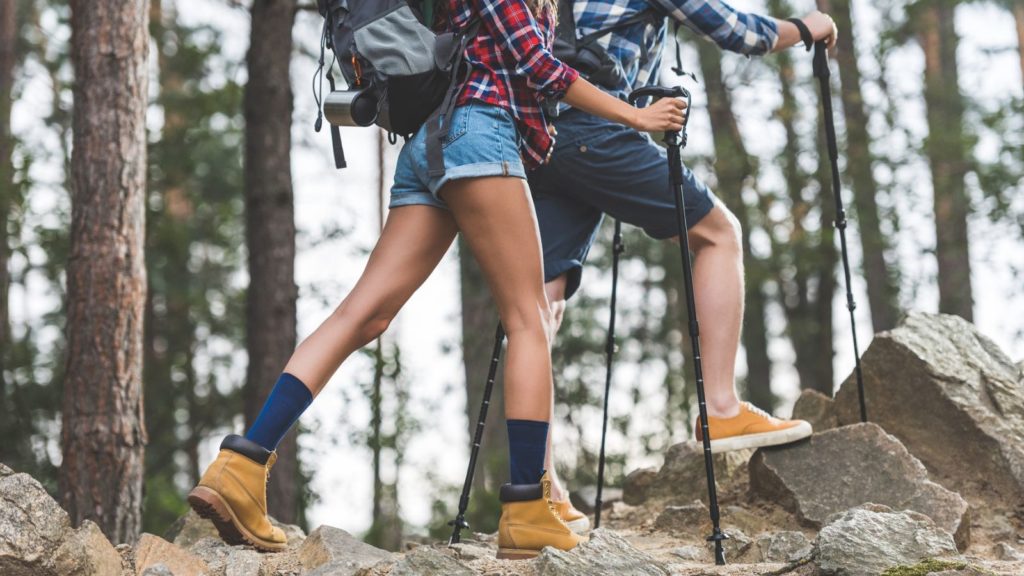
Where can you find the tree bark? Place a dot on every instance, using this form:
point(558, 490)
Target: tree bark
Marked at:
point(1018, 19)
point(733, 166)
point(103, 433)
point(8, 46)
point(946, 155)
point(270, 231)
point(882, 283)
point(479, 319)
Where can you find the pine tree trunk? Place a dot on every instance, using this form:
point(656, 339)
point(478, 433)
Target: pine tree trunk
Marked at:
point(883, 289)
point(103, 433)
point(479, 319)
point(8, 46)
point(946, 155)
point(733, 167)
point(270, 231)
point(1018, 19)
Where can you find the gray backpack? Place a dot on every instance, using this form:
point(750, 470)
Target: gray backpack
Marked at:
point(400, 74)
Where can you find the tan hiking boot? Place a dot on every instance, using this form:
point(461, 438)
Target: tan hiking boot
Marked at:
point(576, 521)
point(529, 522)
point(233, 495)
point(752, 428)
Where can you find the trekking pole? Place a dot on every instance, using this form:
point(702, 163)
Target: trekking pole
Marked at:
point(459, 523)
point(822, 73)
point(676, 141)
point(617, 248)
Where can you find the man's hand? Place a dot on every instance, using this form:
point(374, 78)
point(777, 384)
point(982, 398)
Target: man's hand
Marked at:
point(664, 115)
point(821, 26)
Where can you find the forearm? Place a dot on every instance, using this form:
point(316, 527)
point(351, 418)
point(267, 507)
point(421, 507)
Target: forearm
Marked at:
point(591, 99)
point(789, 35)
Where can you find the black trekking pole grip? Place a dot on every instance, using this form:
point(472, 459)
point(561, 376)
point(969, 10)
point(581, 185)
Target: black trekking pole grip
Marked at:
point(821, 69)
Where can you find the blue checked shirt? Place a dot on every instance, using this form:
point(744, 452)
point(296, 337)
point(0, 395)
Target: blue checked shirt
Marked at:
point(638, 47)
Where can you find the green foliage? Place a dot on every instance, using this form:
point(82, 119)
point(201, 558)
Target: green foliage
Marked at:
point(925, 567)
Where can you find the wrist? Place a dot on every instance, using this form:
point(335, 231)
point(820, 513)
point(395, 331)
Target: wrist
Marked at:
point(806, 38)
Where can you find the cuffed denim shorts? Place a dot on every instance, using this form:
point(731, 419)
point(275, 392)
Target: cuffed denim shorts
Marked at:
point(482, 141)
point(599, 167)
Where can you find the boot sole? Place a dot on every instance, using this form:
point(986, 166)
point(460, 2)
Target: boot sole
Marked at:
point(517, 554)
point(209, 505)
point(777, 438)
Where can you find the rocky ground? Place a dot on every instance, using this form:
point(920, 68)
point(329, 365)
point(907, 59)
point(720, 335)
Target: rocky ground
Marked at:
point(933, 485)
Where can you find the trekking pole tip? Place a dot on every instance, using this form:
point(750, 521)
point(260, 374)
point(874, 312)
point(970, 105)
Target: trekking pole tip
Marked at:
point(718, 537)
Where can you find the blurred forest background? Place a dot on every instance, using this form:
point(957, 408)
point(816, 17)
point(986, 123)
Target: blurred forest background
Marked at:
point(250, 238)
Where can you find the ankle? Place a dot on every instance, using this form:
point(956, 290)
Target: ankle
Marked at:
point(725, 408)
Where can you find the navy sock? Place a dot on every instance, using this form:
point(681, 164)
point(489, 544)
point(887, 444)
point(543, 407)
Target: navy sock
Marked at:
point(527, 445)
point(287, 401)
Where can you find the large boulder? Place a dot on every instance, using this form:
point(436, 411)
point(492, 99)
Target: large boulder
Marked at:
point(36, 538)
point(816, 408)
point(681, 478)
point(868, 540)
point(953, 398)
point(849, 466)
point(226, 560)
point(340, 551)
point(605, 554)
point(152, 550)
point(429, 561)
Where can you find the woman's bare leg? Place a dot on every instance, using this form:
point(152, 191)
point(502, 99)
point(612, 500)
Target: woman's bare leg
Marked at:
point(414, 240)
point(496, 217)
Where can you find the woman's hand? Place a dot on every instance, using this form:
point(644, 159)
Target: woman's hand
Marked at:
point(664, 115)
point(822, 27)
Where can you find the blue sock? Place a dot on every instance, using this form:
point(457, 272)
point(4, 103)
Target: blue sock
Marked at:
point(287, 401)
point(527, 444)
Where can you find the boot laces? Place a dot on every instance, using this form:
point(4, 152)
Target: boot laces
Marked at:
point(551, 504)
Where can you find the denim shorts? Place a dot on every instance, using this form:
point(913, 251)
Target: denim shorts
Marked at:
point(599, 167)
point(482, 141)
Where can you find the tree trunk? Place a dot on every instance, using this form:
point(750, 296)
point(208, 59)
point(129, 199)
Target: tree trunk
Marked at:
point(946, 155)
point(8, 46)
point(1018, 18)
point(479, 319)
point(103, 433)
point(883, 287)
point(270, 231)
point(733, 166)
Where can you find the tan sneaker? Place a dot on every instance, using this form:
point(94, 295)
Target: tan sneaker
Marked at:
point(529, 522)
point(233, 495)
point(576, 521)
point(752, 428)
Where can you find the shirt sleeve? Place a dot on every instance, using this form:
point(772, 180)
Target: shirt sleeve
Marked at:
point(730, 29)
point(512, 26)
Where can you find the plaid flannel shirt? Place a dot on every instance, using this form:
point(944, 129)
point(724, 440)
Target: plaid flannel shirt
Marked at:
point(638, 48)
point(511, 66)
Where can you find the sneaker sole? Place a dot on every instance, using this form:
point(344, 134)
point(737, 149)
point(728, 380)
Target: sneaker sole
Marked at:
point(517, 554)
point(210, 506)
point(748, 441)
point(579, 525)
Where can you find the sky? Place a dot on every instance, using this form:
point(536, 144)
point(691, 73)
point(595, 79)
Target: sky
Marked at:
point(429, 325)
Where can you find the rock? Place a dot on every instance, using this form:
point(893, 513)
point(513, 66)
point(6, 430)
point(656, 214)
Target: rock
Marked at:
point(32, 527)
point(293, 533)
point(225, 560)
point(692, 553)
point(87, 552)
point(152, 550)
point(157, 570)
point(788, 546)
point(334, 546)
point(737, 547)
point(952, 397)
point(605, 554)
point(429, 561)
point(681, 478)
point(849, 466)
point(692, 518)
point(1006, 552)
point(190, 529)
point(584, 498)
point(816, 408)
point(867, 540)
point(468, 552)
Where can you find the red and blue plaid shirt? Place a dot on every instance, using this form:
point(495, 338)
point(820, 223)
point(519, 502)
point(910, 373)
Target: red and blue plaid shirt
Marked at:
point(511, 66)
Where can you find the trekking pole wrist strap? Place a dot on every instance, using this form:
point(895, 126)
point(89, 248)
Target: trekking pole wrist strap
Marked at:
point(805, 33)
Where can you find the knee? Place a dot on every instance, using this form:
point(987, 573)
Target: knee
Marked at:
point(556, 311)
point(530, 318)
point(720, 229)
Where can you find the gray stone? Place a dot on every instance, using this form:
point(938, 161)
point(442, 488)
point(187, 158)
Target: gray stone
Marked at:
point(1006, 552)
point(334, 546)
point(468, 551)
point(692, 553)
point(293, 533)
point(225, 560)
point(190, 529)
point(605, 554)
point(157, 570)
point(788, 546)
point(584, 498)
point(152, 550)
point(429, 561)
point(842, 468)
point(738, 548)
point(32, 527)
point(87, 552)
point(953, 398)
point(868, 540)
point(692, 518)
point(816, 408)
point(681, 479)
